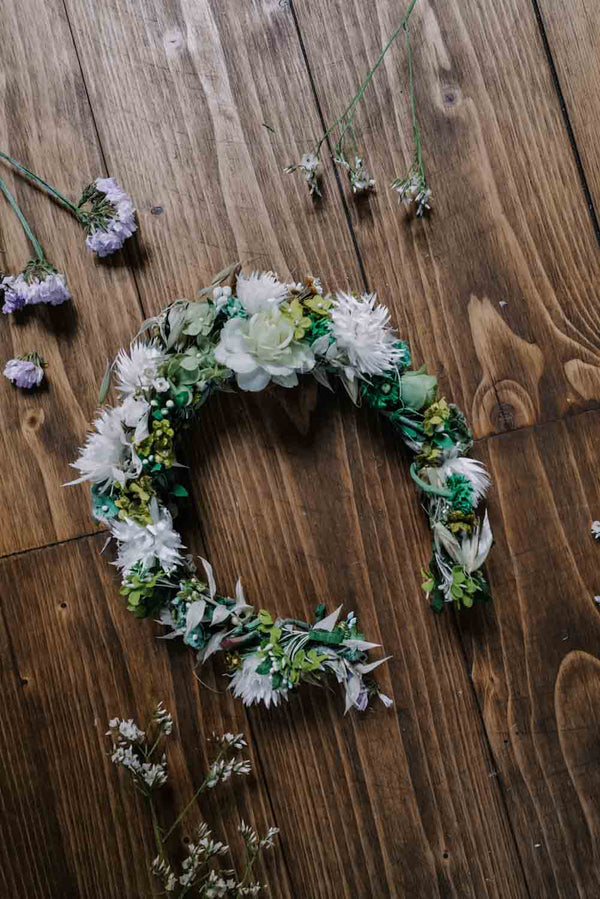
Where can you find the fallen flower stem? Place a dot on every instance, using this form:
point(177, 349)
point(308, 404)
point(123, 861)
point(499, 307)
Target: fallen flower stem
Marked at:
point(44, 184)
point(24, 223)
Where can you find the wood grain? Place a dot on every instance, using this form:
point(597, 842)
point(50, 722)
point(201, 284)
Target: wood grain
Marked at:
point(573, 40)
point(497, 289)
point(329, 516)
point(45, 122)
point(534, 656)
point(78, 660)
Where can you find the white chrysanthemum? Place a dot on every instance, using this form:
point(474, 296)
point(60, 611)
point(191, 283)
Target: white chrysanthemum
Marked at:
point(251, 687)
point(260, 291)
point(147, 544)
point(108, 456)
point(262, 348)
point(361, 330)
point(138, 368)
point(475, 472)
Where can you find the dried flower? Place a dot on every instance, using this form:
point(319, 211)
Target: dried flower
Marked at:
point(308, 165)
point(358, 175)
point(147, 545)
point(595, 529)
point(111, 219)
point(25, 371)
point(413, 192)
point(108, 456)
point(38, 283)
point(262, 348)
point(260, 291)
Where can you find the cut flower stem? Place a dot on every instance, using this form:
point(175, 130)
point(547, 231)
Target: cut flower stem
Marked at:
point(43, 184)
point(24, 223)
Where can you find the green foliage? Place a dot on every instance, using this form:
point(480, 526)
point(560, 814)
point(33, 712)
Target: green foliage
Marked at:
point(417, 389)
point(146, 591)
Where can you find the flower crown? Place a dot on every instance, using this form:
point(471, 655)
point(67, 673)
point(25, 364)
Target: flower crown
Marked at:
point(253, 332)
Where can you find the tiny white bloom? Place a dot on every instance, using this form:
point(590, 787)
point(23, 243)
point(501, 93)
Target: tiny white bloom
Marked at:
point(470, 552)
point(595, 529)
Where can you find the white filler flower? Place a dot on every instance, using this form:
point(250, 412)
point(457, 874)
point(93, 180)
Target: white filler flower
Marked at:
point(147, 544)
point(260, 291)
point(262, 348)
point(107, 457)
point(251, 687)
point(138, 368)
point(361, 329)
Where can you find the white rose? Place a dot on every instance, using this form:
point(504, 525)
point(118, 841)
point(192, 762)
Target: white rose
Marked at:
point(262, 348)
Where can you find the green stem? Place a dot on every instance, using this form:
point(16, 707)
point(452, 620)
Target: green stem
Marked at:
point(24, 223)
point(413, 110)
point(427, 488)
point(44, 184)
point(349, 111)
point(194, 798)
point(157, 835)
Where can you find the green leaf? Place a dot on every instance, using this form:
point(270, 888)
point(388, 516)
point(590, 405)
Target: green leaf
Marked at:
point(105, 385)
point(467, 600)
point(264, 618)
point(264, 667)
point(458, 575)
point(179, 490)
point(456, 591)
point(437, 603)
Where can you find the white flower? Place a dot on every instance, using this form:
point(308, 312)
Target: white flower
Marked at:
point(360, 179)
point(220, 297)
point(108, 456)
point(364, 341)
point(308, 165)
point(251, 687)
point(147, 544)
point(471, 552)
point(161, 385)
point(475, 472)
point(138, 369)
point(262, 348)
point(260, 291)
point(135, 414)
point(595, 529)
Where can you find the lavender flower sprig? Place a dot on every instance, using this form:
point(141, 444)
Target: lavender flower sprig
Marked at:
point(104, 210)
point(135, 751)
point(39, 282)
point(26, 371)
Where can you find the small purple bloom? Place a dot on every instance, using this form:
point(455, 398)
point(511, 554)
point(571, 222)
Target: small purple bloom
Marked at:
point(39, 283)
point(25, 371)
point(108, 236)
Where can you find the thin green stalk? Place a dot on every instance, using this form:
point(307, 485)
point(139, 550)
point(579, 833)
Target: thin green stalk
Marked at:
point(24, 223)
point(194, 798)
point(157, 834)
point(351, 108)
point(411, 93)
point(44, 184)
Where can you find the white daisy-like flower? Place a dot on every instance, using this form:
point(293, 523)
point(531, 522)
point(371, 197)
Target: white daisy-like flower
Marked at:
point(475, 472)
point(362, 332)
point(108, 456)
point(262, 348)
point(595, 529)
point(138, 368)
point(260, 291)
point(470, 552)
point(147, 544)
point(251, 687)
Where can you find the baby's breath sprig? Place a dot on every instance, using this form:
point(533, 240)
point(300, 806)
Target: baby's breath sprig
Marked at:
point(135, 751)
point(413, 188)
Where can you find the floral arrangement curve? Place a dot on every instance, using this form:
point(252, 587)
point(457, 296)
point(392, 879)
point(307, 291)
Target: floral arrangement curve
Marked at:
point(250, 330)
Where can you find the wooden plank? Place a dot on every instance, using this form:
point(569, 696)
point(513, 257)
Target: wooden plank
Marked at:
point(189, 134)
point(497, 289)
point(534, 655)
point(393, 803)
point(573, 41)
point(80, 659)
point(201, 79)
point(46, 123)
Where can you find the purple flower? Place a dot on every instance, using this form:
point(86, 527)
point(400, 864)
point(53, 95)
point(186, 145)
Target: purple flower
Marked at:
point(38, 283)
point(112, 219)
point(25, 371)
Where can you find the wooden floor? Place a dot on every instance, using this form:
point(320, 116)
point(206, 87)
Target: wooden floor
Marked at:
point(484, 779)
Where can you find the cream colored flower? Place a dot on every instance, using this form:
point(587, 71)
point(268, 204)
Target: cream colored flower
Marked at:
point(262, 348)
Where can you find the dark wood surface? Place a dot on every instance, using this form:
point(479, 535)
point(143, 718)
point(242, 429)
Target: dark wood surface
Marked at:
point(484, 778)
